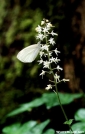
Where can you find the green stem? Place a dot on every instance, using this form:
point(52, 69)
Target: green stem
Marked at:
point(56, 92)
point(63, 110)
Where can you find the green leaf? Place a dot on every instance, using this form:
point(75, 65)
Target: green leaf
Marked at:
point(18, 129)
point(27, 107)
point(80, 115)
point(65, 98)
point(11, 129)
point(26, 127)
point(31, 127)
point(80, 126)
point(40, 127)
point(50, 99)
point(49, 131)
point(69, 122)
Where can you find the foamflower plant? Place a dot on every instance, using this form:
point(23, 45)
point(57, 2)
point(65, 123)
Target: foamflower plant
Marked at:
point(48, 57)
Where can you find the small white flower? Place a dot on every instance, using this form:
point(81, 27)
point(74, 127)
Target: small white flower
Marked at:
point(57, 77)
point(52, 59)
point(49, 25)
point(41, 53)
point(52, 33)
point(42, 22)
point(45, 30)
point(57, 60)
point(45, 47)
point(50, 53)
point(59, 68)
point(46, 64)
point(56, 51)
point(40, 36)
point(45, 54)
point(42, 73)
point(38, 29)
point(51, 41)
point(65, 80)
point(48, 87)
point(40, 61)
point(47, 20)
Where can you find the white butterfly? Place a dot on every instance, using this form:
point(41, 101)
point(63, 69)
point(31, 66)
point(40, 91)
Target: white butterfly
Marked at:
point(29, 53)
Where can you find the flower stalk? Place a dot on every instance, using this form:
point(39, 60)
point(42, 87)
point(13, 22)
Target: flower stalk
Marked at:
point(45, 31)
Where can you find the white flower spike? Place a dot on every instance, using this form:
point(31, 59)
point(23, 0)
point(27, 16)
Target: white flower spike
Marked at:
point(45, 37)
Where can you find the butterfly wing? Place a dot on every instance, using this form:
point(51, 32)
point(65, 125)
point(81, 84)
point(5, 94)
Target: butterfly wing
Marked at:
point(29, 53)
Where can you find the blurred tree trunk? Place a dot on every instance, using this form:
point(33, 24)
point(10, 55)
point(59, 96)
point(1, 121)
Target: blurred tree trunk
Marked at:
point(74, 34)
